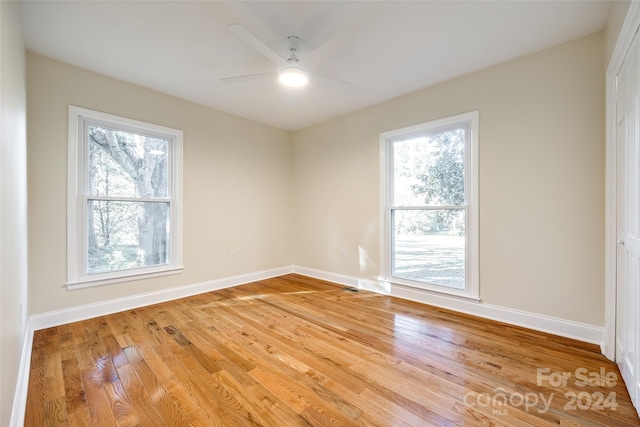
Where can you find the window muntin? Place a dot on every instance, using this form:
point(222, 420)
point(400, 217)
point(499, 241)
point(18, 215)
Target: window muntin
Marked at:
point(124, 199)
point(430, 238)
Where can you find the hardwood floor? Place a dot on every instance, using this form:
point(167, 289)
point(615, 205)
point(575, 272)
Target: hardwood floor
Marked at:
point(295, 351)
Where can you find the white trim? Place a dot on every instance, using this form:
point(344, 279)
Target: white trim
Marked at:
point(553, 325)
point(471, 206)
point(625, 38)
point(561, 327)
point(22, 386)
point(473, 239)
point(77, 276)
point(131, 276)
point(610, 232)
point(75, 314)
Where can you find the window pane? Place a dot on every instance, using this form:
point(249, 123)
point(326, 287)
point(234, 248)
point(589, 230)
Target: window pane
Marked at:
point(123, 164)
point(126, 235)
point(429, 246)
point(429, 170)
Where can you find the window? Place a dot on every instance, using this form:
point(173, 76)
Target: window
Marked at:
point(430, 237)
point(124, 199)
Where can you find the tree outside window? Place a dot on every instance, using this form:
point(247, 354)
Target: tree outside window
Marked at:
point(123, 233)
point(431, 205)
point(124, 198)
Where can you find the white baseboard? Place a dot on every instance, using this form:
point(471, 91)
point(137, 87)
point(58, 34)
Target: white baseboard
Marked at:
point(75, 314)
point(22, 386)
point(83, 312)
point(562, 327)
point(566, 328)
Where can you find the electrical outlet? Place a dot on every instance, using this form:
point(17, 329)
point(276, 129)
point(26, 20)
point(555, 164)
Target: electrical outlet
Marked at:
point(343, 253)
point(233, 255)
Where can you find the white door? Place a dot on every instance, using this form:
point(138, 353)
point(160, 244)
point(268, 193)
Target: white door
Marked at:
point(628, 221)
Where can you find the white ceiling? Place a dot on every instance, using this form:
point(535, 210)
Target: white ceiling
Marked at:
point(183, 48)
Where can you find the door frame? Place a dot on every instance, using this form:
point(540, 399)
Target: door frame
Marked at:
point(625, 38)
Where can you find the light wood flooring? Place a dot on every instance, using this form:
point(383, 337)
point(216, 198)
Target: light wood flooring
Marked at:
point(295, 351)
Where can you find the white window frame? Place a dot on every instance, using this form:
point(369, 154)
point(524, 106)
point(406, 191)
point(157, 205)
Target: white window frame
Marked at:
point(77, 182)
point(472, 276)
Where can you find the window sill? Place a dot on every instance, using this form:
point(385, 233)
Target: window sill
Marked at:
point(434, 289)
point(90, 283)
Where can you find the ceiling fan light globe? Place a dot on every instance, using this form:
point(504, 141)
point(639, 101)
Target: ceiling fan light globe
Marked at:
point(293, 76)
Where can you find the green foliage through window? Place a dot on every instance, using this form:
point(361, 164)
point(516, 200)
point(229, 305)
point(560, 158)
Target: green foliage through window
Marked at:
point(127, 227)
point(429, 215)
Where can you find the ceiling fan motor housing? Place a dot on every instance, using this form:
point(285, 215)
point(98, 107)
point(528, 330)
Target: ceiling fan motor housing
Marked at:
point(293, 44)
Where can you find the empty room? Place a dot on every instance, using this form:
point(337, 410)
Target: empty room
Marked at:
point(319, 213)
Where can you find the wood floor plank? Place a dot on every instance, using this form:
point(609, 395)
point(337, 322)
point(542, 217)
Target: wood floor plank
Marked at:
point(74, 390)
point(278, 413)
point(160, 398)
point(140, 399)
point(34, 411)
point(80, 418)
point(100, 408)
point(296, 351)
point(53, 377)
point(56, 413)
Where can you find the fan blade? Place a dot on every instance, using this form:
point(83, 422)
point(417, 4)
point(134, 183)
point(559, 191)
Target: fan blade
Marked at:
point(248, 77)
point(329, 48)
point(338, 84)
point(244, 34)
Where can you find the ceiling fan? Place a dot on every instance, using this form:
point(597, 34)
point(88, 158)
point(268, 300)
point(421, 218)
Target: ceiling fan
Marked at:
point(291, 72)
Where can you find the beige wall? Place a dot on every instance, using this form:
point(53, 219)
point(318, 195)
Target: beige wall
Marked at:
point(236, 184)
point(541, 180)
point(13, 215)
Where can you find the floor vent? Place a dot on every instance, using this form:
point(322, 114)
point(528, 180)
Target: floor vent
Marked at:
point(346, 288)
